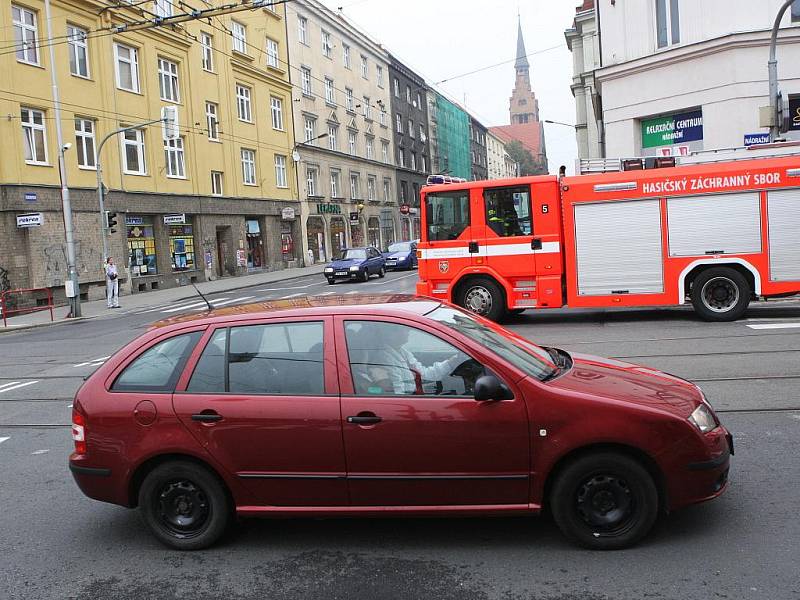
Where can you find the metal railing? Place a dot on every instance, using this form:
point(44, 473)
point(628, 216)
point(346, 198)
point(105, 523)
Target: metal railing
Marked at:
point(7, 311)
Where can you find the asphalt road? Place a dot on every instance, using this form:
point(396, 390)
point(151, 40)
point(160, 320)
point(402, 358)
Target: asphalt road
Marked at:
point(59, 544)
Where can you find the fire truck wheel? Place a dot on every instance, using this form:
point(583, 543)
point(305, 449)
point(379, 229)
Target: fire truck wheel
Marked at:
point(484, 297)
point(720, 294)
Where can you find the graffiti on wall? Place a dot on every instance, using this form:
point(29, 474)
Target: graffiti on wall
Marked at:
point(89, 261)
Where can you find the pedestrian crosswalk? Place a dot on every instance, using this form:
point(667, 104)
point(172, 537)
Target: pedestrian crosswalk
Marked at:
point(193, 304)
point(15, 385)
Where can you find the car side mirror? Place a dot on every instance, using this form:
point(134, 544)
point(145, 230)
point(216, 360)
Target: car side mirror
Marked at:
point(489, 388)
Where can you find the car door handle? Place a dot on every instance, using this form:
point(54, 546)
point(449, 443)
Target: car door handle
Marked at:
point(207, 417)
point(364, 419)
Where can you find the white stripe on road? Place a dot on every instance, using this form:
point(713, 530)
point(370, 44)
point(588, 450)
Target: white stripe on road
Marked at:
point(97, 361)
point(3, 439)
point(776, 326)
point(216, 304)
point(10, 386)
point(396, 279)
point(326, 294)
point(186, 307)
point(290, 296)
point(172, 307)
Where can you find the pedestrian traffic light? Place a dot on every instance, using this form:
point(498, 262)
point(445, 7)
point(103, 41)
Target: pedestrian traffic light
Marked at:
point(111, 221)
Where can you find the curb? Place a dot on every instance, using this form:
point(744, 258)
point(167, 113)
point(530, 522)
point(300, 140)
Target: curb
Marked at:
point(64, 321)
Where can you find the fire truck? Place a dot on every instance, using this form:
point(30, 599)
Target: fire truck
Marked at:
point(718, 234)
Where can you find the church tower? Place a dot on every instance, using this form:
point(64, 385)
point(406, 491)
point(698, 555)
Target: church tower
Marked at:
point(524, 107)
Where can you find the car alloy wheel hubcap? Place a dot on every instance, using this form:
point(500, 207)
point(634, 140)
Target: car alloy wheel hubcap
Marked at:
point(720, 294)
point(605, 502)
point(479, 300)
point(183, 508)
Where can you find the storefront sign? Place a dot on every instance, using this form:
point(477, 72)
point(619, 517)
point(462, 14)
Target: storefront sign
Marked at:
point(174, 219)
point(331, 209)
point(405, 209)
point(30, 197)
point(753, 139)
point(134, 221)
point(354, 218)
point(794, 113)
point(672, 129)
point(287, 214)
point(30, 220)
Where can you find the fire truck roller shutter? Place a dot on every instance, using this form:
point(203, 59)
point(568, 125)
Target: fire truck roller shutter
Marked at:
point(715, 224)
point(618, 247)
point(784, 243)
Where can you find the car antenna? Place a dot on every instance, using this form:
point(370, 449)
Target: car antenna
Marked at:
point(210, 306)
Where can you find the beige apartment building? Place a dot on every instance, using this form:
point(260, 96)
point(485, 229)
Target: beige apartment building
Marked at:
point(344, 126)
point(220, 200)
point(501, 165)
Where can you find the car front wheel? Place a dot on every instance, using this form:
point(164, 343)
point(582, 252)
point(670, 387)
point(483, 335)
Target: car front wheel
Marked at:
point(365, 274)
point(604, 501)
point(382, 272)
point(184, 505)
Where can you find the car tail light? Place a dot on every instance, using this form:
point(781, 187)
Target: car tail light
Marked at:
point(78, 431)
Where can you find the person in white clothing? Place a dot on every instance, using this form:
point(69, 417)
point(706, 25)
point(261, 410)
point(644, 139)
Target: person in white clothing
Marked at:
point(112, 284)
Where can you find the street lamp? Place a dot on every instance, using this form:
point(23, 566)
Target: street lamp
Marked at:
point(775, 100)
point(560, 123)
point(296, 154)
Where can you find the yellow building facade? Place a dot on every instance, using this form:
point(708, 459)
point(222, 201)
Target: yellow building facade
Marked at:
point(220, 200)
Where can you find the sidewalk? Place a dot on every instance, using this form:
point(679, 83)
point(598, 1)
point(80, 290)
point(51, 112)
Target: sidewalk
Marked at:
point(145, 299)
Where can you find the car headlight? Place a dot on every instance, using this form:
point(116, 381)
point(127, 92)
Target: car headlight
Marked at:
point(329, 269)
point(703, 419)
point(354, 268)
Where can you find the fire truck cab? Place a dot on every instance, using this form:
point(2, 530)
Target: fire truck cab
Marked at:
point(717, 235)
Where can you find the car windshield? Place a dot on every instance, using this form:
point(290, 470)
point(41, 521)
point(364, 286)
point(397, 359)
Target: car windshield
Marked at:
point(529, 358)
point(357, 253)
point(400, 247)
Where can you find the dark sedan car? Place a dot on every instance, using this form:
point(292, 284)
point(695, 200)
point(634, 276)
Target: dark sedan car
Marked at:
point(356, 263)
point(401, 255)
point(386, 405)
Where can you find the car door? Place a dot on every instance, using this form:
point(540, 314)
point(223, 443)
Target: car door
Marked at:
point(263, 400)
point(413, 432)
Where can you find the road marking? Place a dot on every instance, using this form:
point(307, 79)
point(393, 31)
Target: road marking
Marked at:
point(396, 279)
point(3, 439)
point(186, 307)
point(326, 294)
point(215, 304)
point(775, 319)
point(776, 326)
point(95, 363)
point(15, 385)
point(35, 452)
point(354, 292)
point(183, 304)
point(291, 296)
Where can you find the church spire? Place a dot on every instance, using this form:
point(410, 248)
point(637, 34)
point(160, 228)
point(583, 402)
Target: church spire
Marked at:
point(522, 59)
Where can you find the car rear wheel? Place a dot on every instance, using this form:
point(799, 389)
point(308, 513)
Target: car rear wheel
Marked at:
point(484, 297)
point(184, 505)
point(604, 501)
point(382, 272)
point(720, 294)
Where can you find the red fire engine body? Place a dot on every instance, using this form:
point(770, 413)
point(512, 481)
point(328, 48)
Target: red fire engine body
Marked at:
point(718, 235)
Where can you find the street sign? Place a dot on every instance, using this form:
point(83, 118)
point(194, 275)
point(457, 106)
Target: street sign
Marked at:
point(174, 219)
point(30, 197)
point(134, 221)
point(753, 139)
point(794, 113)
point(354, 218)
point(672, 129)
point(405, 209)
point(30, 220)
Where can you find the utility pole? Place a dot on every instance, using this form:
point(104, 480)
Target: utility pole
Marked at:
point(71, 286)
point(774, 94)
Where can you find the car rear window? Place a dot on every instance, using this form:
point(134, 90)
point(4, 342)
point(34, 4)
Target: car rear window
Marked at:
point(158, 368)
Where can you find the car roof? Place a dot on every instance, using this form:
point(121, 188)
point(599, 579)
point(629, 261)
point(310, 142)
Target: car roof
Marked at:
point(373, 304)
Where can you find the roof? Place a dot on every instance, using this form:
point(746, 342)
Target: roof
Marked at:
point(528, 134)
point(522, 59)
point(311, 305)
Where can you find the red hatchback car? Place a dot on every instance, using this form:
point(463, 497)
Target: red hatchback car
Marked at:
point(386, 405)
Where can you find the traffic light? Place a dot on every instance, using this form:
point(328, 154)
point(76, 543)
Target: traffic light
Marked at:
point(111, 221)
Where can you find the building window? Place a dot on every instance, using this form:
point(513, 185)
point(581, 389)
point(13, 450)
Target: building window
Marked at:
point(370, 148)
point(168, 80)
point(216, 183)
point(422, 135)
point(346, 55)
point(423, 164)
point(327, 46)
point(371, 188)
point(399, 122)
point(207, 52)
point(305, 80)
point(311, 181)
point(212, 121)
point(364, 67)
point(133, 152)
point(181, 246)
point(351, 142)
point(141, 246)
point(413, 161)
point(387, 190)
point(173, 153)
point(78, 51)
point(243, 103)
point(354, 186)
point(127, 63)
point(385, 152)
point(411, 129)
point(408, 94)
point(367, 108)
point(280, 171)
point(248, 166)
point(330, 96)
point(239, 35)
point(34, 136)
point(310, 129)
point(162, 8)
point(276, 105)
point(335, 184)
point(272, 53)
point(302, 30)
point(84, 143)
point(382, 117)
point(396, 88)
point(419, 101)
point(25, 34)
point(667, 23)
point(379, 75)
point(333, 137)
point(401, 157)
point(403, 192)
point(349, 101)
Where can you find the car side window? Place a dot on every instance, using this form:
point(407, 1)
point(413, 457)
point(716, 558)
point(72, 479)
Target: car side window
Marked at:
point(390, 359)
point(508, 211)
point(275, 359)
point(158, 368)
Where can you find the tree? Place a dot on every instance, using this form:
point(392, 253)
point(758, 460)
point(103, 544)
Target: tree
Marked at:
point(523, 157)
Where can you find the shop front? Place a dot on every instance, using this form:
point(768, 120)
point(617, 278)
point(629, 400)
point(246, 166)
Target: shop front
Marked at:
point(387, 228)
point(181, 242)
point(140, 234)
point(255, 244)
point(315, 228)
point(374, 232)
point(338, 236)
point(356, 230)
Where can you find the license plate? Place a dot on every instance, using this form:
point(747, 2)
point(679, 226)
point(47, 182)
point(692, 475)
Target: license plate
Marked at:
point(391, 263)
point(341, 273)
